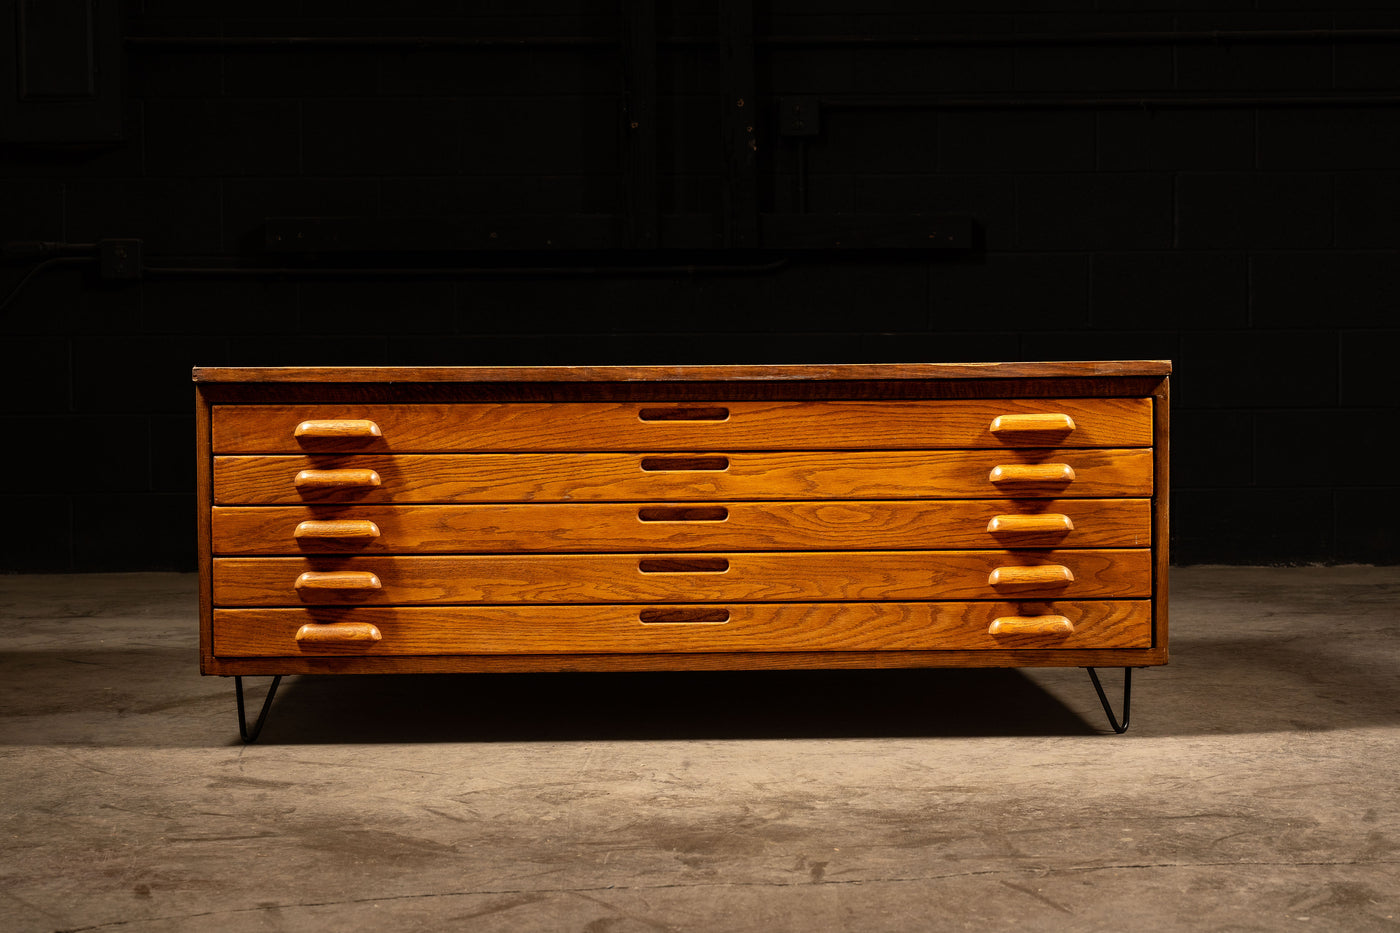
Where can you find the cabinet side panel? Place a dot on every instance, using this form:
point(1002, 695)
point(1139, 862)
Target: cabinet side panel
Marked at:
point(1161, 530)
point(203, 498)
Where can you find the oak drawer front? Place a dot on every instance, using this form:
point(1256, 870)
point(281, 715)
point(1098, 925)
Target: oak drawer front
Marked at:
point(737, 577)
point(636, 426)
point(644, 527)
point(748, 627)
point(422, 478)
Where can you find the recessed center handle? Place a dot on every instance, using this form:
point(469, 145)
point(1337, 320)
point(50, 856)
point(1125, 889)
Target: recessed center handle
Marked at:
point(683, 565)
point(695, 464)
point(684, 413)
point(684, 616)
point(683, 513)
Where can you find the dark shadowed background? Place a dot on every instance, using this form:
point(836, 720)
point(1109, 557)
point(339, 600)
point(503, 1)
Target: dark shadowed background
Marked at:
point(316, 182)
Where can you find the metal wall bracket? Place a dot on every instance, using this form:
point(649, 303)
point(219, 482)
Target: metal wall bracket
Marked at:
point(1127, 698)
point(251, 736)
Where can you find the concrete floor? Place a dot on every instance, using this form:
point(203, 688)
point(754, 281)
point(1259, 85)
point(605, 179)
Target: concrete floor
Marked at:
point(1258, 789)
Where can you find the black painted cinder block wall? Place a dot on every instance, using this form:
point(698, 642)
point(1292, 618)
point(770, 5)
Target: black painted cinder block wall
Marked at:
point(1239, 217)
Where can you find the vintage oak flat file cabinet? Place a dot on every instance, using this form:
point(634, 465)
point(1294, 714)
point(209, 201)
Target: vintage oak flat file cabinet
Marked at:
point(419, 519)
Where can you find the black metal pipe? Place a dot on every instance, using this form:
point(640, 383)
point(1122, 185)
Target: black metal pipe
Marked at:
point(1136, 102)
point(35, 269)
point(288, 43)
point(455, 272)
point(1183, 37)
point(1196, 37)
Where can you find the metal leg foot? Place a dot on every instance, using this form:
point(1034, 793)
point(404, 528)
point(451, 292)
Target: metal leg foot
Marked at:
point(1127, 698)
point(250, 736)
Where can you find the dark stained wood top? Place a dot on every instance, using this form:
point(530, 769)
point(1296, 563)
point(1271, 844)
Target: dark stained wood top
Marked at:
point(750, 373)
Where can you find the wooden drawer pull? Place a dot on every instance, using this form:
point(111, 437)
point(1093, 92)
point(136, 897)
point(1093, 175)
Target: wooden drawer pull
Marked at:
point(1032, 473)
point(1043, 575)
point(336, 479)
point(683, 414)
point(683, 513)
point(348, 428)
point(685, 616)
point(1031, 625)
point(338, 580)
point(683, 565)
point(338, 633)
point(707, 464)
point(1047, 423)
point(340, 530)
point(1046, 523)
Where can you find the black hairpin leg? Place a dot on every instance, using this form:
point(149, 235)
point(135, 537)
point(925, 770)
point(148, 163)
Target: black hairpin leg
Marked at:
point(252, 736)
point(1127, 698)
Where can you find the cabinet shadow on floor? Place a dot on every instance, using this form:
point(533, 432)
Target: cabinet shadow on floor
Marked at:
point(663, 705)
point(1221, 683)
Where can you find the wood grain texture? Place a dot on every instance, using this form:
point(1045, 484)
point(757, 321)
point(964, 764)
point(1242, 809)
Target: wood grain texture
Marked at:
point(614, 527)
point(355, 530)
point(336, 429)
point(1012, 476)
point(320, 480)
point(1016, 527)
point(747, 577)
point(1035, 576)
point(763, 627)
point(1008, 427)
point(936, 474)
point(768, 373)
point(329, 581)
point(1031, 625)
point(343, 633)
point(747, 425)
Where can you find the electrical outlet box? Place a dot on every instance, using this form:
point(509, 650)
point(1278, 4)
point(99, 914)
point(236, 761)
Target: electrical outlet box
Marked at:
point(799, 116)
point(119, 259)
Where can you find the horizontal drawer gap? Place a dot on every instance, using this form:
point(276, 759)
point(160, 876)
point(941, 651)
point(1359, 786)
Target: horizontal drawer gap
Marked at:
point(678, 551)
point(748, 601)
